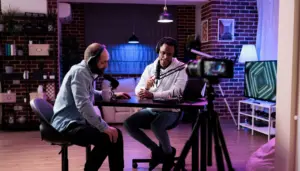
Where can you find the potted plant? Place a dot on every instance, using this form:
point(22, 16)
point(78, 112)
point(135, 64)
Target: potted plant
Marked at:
point(192, 42)
point(8, 16)
point(9, 68)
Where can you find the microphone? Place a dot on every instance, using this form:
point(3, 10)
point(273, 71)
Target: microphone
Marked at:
point(113, 82)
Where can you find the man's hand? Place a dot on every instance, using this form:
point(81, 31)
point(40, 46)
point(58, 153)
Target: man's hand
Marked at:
point(150, 82)
point(112, 134)
point(122, 95)
point(145, 94)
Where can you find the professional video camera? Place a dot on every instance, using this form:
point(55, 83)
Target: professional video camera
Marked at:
point(210, 69)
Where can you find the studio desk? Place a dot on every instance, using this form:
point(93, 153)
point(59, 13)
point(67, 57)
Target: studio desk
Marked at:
point(134, 101)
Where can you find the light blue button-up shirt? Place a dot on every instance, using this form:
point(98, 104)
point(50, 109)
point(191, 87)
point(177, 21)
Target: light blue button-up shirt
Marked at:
point(74, 101)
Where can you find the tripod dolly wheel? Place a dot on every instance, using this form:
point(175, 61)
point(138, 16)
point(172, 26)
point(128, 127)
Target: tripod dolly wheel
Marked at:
point(134, 165)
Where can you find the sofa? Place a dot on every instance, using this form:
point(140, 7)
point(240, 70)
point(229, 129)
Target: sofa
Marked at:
point(120, 114)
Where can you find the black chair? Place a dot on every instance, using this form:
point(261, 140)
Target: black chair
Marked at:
point(175, 124)
point(45, 112)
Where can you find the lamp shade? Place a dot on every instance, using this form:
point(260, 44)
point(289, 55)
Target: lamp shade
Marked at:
point(248, 53)
point(133, 39)
point(165, 17)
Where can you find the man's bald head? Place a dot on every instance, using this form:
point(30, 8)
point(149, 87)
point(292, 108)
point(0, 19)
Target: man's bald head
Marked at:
point(100, 62)
point(92, 49)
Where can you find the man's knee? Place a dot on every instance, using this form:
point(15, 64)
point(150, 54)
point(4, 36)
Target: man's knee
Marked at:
point(157, 126)
point(120, 134)
point(129, 123)
point(119, 131)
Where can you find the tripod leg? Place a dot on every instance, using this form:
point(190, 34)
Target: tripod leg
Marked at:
point(188, 146)
point(224, 147)
point(195, 149)
point(218, 150)
point(209, 141)
point(203, 142)
point(228, 107)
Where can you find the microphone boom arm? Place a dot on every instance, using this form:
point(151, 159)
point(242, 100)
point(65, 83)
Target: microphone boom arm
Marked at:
point(201, 53)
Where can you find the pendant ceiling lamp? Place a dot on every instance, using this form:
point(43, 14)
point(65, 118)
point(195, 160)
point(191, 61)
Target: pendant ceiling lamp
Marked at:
point(165, 17)
point(133, 39)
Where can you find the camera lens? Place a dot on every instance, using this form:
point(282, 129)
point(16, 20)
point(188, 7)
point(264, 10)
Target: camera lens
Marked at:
point(192, 68)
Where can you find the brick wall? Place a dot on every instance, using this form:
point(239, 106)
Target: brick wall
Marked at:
point(245, 15)
point(186, 21)
point(73, 29)
point(76, 26)
point(22, 63)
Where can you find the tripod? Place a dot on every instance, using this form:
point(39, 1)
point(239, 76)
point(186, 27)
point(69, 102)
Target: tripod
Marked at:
point(208, 120)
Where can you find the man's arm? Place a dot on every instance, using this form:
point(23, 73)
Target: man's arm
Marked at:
point(176, 88)
point(79, 86)
point(142, 82)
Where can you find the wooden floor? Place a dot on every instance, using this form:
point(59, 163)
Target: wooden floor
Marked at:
point(24, 151)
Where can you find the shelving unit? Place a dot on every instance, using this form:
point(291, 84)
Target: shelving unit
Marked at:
point(35, 29)
point(260, 116)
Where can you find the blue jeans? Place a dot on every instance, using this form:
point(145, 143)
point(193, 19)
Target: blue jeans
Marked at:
point(157, 121)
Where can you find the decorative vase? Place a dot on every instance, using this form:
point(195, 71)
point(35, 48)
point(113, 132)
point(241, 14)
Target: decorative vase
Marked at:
point(11, 120)
point(8, 69)
point(21, 119)
point(1, 27)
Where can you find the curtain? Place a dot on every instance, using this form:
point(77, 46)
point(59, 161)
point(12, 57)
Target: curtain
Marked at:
point(130, 58)
point(267, 29)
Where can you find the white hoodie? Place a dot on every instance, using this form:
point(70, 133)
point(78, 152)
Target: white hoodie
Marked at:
point(170, 85)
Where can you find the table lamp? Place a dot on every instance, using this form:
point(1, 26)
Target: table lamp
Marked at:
point(248, 53)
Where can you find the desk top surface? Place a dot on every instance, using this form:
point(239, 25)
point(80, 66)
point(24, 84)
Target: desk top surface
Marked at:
point(134, 101)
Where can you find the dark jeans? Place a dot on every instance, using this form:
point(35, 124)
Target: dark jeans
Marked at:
point(157, 122)
point(84, 135)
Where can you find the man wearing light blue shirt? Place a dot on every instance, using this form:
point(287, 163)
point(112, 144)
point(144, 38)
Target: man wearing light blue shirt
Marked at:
point(75, 117)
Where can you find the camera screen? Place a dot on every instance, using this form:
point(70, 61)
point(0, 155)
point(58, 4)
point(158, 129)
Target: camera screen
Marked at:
point(214, 68)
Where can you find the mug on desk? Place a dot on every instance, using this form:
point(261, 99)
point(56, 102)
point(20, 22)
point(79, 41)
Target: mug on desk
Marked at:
point(106, 94)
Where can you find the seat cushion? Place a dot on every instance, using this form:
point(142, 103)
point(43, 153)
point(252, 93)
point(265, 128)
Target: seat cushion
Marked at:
point(122, 109)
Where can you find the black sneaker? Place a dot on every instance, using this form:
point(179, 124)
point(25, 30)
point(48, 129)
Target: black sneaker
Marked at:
point(168, 162)
point(156, 158)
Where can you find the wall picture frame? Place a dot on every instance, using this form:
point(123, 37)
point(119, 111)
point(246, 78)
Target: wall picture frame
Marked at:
point(226, 30)
point(204, 31)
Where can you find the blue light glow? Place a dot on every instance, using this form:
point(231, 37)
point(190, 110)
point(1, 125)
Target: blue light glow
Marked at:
point(130, 58)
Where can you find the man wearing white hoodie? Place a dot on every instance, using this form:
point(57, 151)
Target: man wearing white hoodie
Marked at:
point(163, 78)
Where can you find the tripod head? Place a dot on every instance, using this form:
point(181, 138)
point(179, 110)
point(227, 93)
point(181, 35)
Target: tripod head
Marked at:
point(210, 91)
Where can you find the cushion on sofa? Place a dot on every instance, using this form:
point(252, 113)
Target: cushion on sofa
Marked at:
point(138, 80)
point(119, 114)
point(126, 85)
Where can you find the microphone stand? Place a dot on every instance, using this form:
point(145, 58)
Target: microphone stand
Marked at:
point(219, 86)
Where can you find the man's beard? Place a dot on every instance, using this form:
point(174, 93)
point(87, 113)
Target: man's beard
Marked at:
point(166, 63)
point(96, 70)
point(100, 72)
